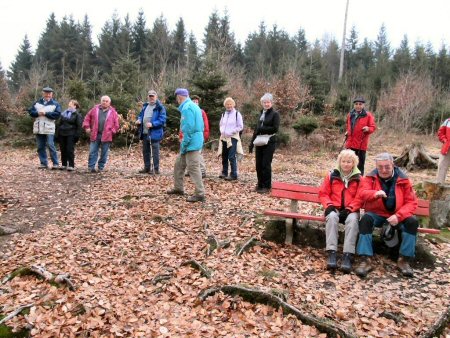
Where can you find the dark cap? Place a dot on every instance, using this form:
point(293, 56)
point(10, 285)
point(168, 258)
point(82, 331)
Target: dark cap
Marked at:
point(48, 90)
point(359, 99)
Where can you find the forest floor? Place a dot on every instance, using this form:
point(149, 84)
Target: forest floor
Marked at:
point(116, 231)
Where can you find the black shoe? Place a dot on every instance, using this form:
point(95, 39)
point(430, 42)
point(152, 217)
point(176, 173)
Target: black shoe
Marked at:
point(144, 171)
point(151, 172)
point(231, 178)
point(196, 198)
point(404, 267)
point(203, 175)
point(186, 174)
point(92, 170)
point(222, 176)
point(175, 192)
point(157, 172)
point(262, 190)
point(346, 264)
point(332, 260)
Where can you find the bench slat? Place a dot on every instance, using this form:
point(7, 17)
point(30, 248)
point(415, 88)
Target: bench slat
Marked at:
point(287, 214)
point(295, 187)
point(293, 195)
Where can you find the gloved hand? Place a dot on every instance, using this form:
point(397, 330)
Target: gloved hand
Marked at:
point(250, 148)
point(329, 209)
point(344, 213)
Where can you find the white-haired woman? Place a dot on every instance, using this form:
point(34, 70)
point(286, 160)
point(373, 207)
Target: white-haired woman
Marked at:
point(230, 125)
point(337, 195)
point(267, 124)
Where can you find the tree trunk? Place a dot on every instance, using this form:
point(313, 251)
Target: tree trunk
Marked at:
point(415, 157)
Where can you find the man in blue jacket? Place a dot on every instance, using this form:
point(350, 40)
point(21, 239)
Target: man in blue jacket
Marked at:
point(46, 110)
point(191, 125)
point(151, 122)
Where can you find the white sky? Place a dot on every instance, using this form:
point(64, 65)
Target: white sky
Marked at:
point(424, 21)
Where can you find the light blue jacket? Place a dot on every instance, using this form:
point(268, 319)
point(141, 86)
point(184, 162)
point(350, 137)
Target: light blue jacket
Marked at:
point(191, 125)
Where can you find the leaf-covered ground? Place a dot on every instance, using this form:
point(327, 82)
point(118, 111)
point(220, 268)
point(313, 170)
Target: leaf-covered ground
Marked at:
point(115, 232)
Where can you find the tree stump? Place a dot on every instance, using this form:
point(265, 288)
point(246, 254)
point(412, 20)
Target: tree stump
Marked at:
point(439, 197)
point(415, 157)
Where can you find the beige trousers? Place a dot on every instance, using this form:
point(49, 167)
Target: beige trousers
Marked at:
point(191, 162)
point(444, 163)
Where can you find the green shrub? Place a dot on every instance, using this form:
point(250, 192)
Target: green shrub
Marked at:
point(24, 124)
point(283, 138)
point(306, 125)
point(2, 130)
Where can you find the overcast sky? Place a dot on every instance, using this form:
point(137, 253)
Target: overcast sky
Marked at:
point(424, 21)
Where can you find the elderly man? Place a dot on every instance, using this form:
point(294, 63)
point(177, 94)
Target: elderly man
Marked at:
point(191, 125)
point(46, 110)
point(360, 124)
point(151, 122)
point(388, 197)
point(101, 123)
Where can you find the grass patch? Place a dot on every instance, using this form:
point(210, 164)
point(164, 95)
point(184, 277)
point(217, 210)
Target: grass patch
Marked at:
point(268, 274)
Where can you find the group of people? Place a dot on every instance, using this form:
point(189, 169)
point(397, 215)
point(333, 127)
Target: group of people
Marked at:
point(102, 122)
point(385, 194)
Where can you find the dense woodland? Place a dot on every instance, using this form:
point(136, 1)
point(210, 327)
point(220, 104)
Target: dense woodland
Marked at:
point(407, 86)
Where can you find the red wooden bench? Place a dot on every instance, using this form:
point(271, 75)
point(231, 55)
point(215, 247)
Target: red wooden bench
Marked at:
point(306, 193)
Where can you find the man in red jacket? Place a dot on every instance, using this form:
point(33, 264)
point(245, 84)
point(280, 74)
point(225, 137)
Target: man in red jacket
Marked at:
point(444, 157)
point(387, 196)
point(360, 124)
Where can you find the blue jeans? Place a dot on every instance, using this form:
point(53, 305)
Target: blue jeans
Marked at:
point(229, 155)
point(150, 150)
point(407, 231)
point(93, 154)
point(44, 141)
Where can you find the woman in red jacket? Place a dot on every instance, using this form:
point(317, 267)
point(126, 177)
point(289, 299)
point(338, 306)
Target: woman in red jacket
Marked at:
point(337, 195)
point(444, 157)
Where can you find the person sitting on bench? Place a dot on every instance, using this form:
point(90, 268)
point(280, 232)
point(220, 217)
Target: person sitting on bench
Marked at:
point(387, 196)
point(337, 195)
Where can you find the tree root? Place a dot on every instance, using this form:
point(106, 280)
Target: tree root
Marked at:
point(15, 313)
point(41, 272)
point(258, 296)
point(248, 244)
point(196, 265)
point(162, 277)
point(214, 243)
point(439, 325)
point(6, 230)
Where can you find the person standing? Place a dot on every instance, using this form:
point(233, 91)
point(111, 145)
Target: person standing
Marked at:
point(444, 156)
point(338, 197)
point(101, 123)
point(191, 125)
point(69, 130)
point(230, 144)
point(46, 110)
point(388, 197)
point(196, 100)
point(360, 124)
point(267, 124)
point(151, 131)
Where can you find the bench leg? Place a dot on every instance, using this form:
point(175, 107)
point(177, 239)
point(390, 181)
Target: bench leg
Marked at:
point(290, 225)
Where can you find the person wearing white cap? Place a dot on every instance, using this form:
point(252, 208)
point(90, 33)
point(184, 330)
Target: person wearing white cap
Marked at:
point(46, 110)
point(150, 122)
point(191, 125)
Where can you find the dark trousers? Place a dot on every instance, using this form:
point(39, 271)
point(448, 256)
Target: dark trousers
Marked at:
point(150, 151)
point(362, 159)
point(229, 155)
point(264, 156)
point(67, 147)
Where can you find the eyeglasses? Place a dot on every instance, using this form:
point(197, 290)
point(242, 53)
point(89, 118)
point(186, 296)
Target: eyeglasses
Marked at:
point(384, 167)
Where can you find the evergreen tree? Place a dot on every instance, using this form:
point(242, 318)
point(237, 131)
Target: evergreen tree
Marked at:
point(108, 44)
point(443, 65)
point(162, 46)
point(382, 51)
point(401, 63)
point(125, 37)
point(140, 36)
point(5, 98)
point(178, 53)
point(193, 60)
point(212, 33)
point(46, 41)
point(86, 50)
point(20, 68)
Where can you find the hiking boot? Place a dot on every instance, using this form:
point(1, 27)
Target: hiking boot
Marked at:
point(404, 267)
point(346, 264)
point(262, 190)
point(186, 174)
point(92, 170)
point(175, 192)
point(332, 260)
point(151, 172)
point(157, 172)
point(56, 167)
point(364, 267)
point(43, 166)
point(144, 171)
point(195, 198)
point(230, 178)
point(203, 175)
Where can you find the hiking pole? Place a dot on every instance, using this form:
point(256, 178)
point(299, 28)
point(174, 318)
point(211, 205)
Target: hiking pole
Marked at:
point(343, 144)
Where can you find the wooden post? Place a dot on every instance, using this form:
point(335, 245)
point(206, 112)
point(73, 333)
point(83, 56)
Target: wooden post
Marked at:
point(290, 223)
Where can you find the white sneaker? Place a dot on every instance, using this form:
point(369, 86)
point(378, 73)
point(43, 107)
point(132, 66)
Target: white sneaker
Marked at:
point(70, 168)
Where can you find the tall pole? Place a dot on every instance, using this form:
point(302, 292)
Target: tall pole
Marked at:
point(341, 62)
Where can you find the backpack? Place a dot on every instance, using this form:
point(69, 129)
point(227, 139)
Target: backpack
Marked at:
point(240, 132)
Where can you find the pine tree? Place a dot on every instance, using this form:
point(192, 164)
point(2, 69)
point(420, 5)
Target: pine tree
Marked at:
point(140, 36)
point(5, 98)
point(178, 53)
point(86, 51)
point(20, 68)
point(193, 60)
point(401, 63)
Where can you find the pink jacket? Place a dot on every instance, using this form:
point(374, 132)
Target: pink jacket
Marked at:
point(111, 124)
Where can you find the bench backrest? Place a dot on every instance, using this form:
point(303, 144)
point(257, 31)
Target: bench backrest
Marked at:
point(309, 193)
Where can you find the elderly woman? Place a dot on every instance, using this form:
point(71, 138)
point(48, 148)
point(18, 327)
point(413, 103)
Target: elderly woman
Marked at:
point(230, 142)
point(266, 128)
point(337, 195)
point(69, 130)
